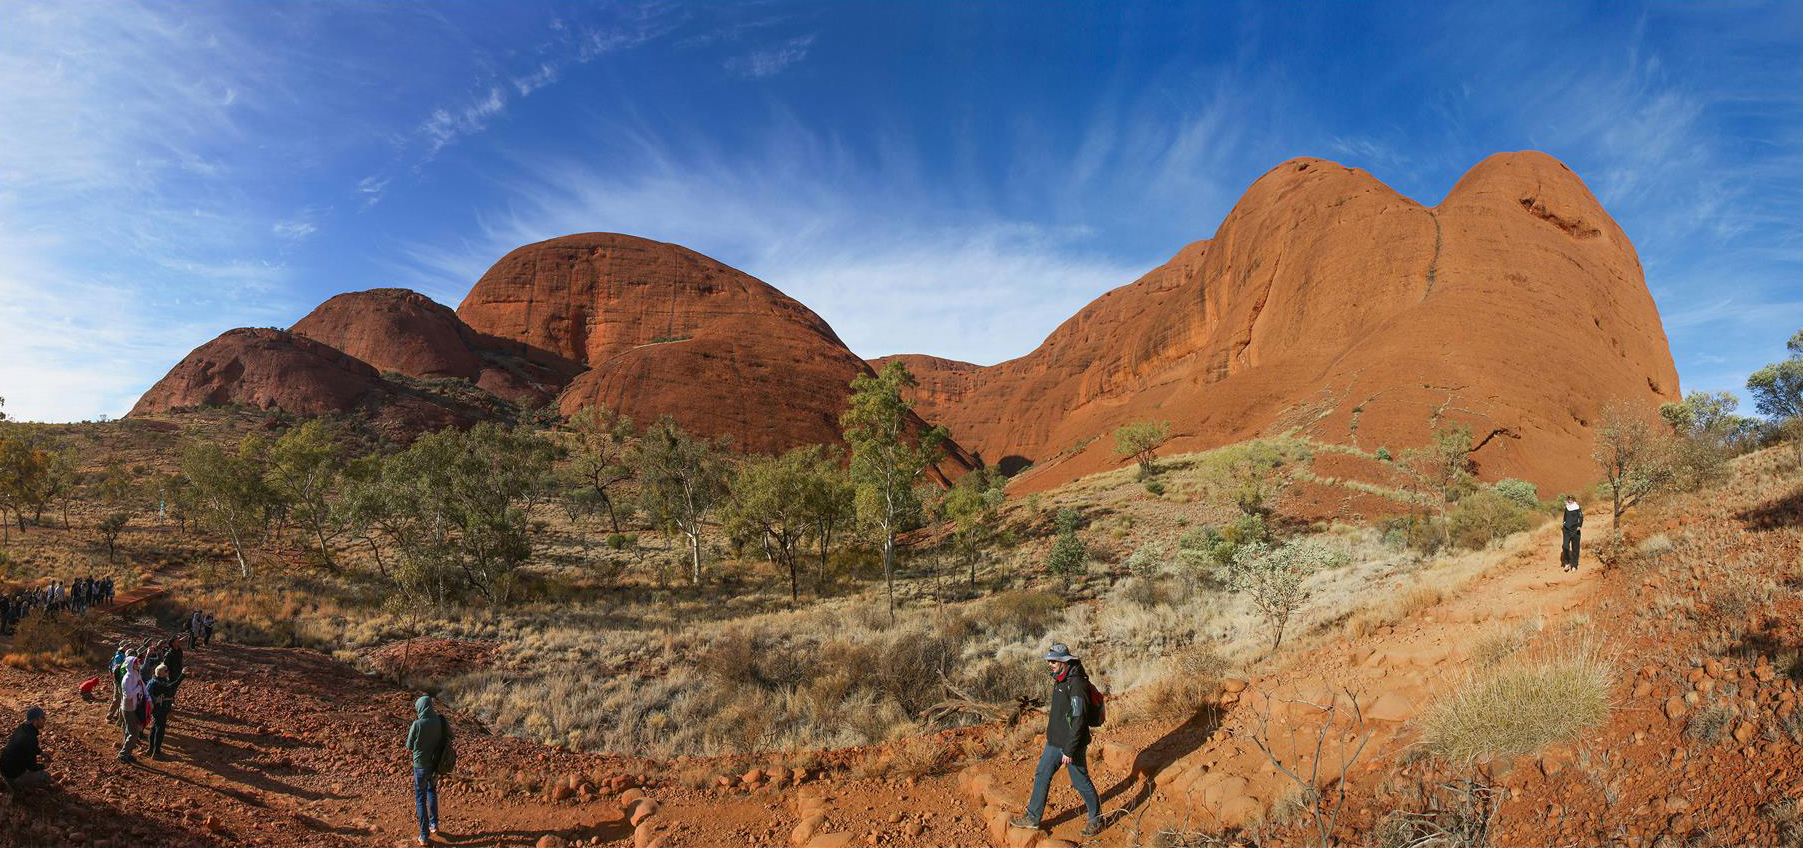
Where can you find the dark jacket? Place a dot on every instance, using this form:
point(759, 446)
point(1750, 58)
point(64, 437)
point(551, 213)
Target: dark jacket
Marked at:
point(1574, 518)
point(429, 734)
point(21, 753)
point(173, 659)
point(1064, 727)
point(162, 696)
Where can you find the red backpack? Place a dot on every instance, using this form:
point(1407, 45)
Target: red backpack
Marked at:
point(1096, 711)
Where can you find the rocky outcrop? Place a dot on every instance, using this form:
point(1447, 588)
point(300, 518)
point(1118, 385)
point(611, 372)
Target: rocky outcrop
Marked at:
point(272, 369)
point(402, 331)
point(1329, 304)
point(395, 330)
point(663, 330)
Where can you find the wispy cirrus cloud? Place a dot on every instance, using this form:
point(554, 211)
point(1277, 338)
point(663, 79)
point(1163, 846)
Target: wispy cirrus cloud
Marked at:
point(770, 61)
point(567, 46)
point(123, 239)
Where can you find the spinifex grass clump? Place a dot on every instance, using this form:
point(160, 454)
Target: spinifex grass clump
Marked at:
point(1528, 701)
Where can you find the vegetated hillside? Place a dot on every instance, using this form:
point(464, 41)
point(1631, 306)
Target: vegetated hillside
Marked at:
point(1328, 304)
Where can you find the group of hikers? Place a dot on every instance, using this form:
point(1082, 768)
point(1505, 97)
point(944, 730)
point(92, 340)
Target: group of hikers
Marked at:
point(78, 597)
point(145, 679)
point(140, 701)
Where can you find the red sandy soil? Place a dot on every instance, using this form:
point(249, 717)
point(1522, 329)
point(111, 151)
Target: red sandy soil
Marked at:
point(285, 746)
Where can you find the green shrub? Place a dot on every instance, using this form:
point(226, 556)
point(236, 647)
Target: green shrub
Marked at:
point(1148, 560)
point(1069, 555)
point(1485, 516)
point(1155, 487)
point(1519, 492)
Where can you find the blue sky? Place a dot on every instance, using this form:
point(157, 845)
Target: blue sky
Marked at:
point(939, 178)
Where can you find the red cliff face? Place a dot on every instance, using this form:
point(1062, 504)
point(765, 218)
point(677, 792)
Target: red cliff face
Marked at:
point(1325, 304)
point(1329, 304)
point(663, 330)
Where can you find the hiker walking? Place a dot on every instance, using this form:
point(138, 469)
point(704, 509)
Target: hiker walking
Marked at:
point(19, 761)
point(173, 659)
point(1068, 719)
point(116, 670)
point(194, 630)
point(429, 739)
point(131, 709)
point(162, 698)
point(206, 629)
point(1573, 527)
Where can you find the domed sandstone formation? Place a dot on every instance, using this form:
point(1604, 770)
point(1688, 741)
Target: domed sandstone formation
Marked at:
point(395, 330)
point(664, 330)
point(1329, 304)
point(272, 369)
point(403, 331)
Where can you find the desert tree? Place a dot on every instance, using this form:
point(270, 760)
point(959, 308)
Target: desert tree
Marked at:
point(454, 508)
point(1140, 440)
point(1255, 473)
point(62, 482)
point(1068, 556)
point(306, 465)
point(886, 460)
point(1273, 577)
point(769, 500)
point(830, 502)
point(24, 468)
point(1636, 456)
point(682, 480)
point(974, 508)
point(1777, 391)
point(1707, 434)
point(120, 491)
point(1441, 470)
point(231, 497)
point(600, 456)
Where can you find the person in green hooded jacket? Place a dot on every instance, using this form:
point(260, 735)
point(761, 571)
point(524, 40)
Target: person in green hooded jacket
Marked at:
point(428, 740)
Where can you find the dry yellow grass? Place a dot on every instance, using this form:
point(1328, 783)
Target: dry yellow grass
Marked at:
point(1518, 706)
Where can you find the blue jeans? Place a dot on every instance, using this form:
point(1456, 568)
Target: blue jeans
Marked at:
point(425, 799)
point(1079, 772)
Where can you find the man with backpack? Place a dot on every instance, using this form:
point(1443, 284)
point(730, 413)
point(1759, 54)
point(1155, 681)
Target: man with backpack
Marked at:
point(429, 739)
point(1075, 706)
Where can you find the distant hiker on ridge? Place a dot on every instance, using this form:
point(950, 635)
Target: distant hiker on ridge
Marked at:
point(1069, 715)
point(19, 763)
point(430, 741)
point(1574, 523)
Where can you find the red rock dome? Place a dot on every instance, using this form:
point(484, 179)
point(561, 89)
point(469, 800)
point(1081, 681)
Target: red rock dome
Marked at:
point(1328, 304)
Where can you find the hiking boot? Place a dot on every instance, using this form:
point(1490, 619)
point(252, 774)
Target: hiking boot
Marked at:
point(1023, 821)
point(1094, 827)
